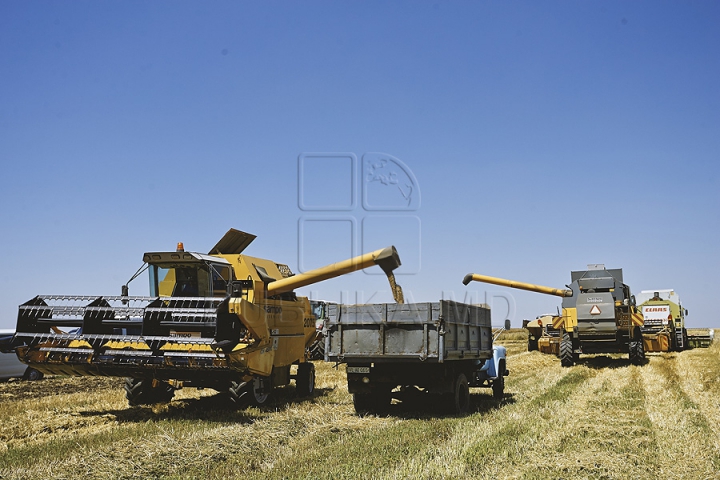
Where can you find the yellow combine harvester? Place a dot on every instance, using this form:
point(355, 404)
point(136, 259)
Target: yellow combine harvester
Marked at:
point(598, 313)
point(542, 336)
point(224, 320)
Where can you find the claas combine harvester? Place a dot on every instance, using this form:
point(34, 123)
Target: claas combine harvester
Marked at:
point(221, 320)
point(598, 313)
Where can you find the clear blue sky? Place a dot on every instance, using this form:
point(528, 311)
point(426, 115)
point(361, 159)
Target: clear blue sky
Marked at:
point(540, 137)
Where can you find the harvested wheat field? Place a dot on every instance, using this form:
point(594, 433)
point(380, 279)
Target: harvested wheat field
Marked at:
point(603, 418)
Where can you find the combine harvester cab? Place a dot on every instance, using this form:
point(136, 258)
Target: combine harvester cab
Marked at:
point(598, 313)
point(221, 320)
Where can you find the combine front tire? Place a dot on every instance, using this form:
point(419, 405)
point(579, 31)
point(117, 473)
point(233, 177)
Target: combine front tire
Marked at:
point(305, 379)
point(637, 352)
point(567, 357)
point(255, 392)
point(147, 391)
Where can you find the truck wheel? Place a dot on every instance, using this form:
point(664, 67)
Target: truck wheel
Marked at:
point(567, 359)
point(305, 379)
point(146, 391)
point(363, 403)
point(32, 375)
point(377, 402)
point(461, 395)
point(498, 386)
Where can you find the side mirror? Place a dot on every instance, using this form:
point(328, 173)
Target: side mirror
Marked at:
point(507, 324)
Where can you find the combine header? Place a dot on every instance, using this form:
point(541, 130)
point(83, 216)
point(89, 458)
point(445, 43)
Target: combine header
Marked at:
point(224, 320)
point(598, 313)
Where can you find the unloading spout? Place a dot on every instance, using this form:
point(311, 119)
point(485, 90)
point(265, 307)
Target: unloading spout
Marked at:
point(559, 292)
point(386, 258)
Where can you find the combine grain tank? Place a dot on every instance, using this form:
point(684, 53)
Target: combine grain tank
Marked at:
point(420, 352)
point(222, 320)
point(598, 313)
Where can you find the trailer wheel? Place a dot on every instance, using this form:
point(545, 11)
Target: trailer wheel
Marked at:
point(460, 398)
point(146, 391)
point(305, 379)
point(498, 386)
point(567, 358)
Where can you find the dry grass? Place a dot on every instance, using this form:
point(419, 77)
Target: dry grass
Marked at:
point(602, 418)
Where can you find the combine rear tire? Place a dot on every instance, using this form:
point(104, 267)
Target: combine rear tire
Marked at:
point(532, 344)
point(146, 391)
point(567, 358)
point(305, 379)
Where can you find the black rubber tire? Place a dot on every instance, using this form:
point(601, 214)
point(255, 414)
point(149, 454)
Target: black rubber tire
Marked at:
point(375, 402)
point(567, 358)
point(305, 380)
point(637, 352)
point(32, 375)
point(460, 399)
point(238, 393)
point(363, 403)
point(145, 391)
point(317, 349)
point(532, 344)
point(498, 386)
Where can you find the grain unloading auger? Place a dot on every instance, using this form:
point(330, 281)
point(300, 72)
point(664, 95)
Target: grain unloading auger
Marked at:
point(224, 320)
point(598, 313)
